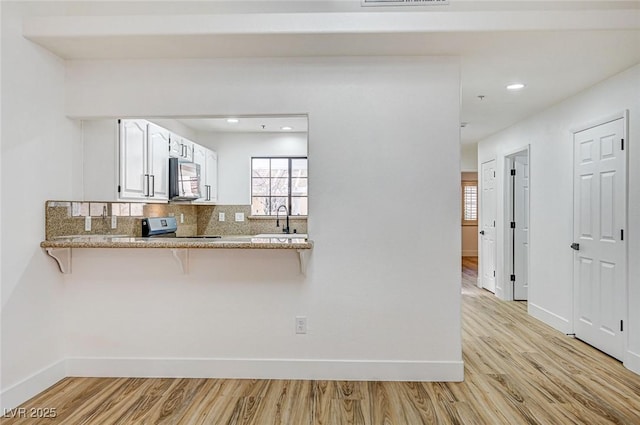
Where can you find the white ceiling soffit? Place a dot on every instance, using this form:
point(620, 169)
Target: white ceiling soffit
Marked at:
point(556, 48)
point(268, 124)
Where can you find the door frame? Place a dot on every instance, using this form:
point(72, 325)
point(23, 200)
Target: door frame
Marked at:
point(480, 249)
point(507, 288)
point(624, 115)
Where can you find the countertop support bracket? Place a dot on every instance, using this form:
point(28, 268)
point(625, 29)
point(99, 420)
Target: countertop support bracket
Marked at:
point(62, 257)
point(303, 256)
point(182, 256)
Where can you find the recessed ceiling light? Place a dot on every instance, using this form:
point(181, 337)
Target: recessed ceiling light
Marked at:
point(286, 128)
point(515, 86)
point(233, 120)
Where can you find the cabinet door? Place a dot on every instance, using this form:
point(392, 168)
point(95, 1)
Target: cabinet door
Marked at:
point(158, 162)
point(211, 176)
point(189, 147)
point(134, 179)
point(175, 148)
point(200, 158)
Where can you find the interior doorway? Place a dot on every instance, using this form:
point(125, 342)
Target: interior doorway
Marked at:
point(517, 223)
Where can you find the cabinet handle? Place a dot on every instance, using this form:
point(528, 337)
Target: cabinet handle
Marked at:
point(208, 193)
point(145, 185)
point(184, 151)
point(153, 185)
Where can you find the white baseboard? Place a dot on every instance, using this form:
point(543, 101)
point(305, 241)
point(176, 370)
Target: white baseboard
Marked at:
point(469, 252)
point(18, 393)
point(555, 321)
point(632, 362)
point(449, 371)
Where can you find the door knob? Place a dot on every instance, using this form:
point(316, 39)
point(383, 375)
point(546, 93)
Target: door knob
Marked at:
point(482, 232)
point(575, 246)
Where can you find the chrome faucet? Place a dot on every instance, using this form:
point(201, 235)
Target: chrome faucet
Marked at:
point(286, 228)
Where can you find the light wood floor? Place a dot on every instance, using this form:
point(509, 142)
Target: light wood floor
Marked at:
point(517, 371)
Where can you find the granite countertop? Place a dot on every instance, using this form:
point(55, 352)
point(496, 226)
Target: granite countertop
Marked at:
point(226, 242)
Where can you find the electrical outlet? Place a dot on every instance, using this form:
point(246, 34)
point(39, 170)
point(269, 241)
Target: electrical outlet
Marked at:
point(114, 221)
point(87, 223)
point(221, 216)
point(301, 324)
point(239, 216)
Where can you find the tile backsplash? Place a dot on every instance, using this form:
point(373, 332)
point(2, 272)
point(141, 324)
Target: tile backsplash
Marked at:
point(64, 218)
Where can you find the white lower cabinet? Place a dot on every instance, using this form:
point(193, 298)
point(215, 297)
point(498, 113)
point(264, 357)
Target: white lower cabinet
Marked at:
point(208, 161)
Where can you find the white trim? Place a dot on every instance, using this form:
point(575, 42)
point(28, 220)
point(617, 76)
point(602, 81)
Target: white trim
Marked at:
point(36, 383)
point(632, 361)
point(557, 322)
point(361, 370)
point(600, 121)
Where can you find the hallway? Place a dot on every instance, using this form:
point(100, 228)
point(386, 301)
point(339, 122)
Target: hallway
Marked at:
point(517, 371)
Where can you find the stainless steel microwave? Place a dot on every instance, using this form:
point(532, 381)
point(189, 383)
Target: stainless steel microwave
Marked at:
point(184, 180)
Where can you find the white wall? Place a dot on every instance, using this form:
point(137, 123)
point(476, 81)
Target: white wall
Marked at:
point(469, 157)
point(551, 189)
point(40, 161)
point(234, 158)
point(381, 303)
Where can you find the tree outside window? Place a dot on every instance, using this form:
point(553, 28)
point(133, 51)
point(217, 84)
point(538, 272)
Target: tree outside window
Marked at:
point(278, 181)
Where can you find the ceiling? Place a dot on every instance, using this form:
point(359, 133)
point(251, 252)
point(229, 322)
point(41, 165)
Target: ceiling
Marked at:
point(268, 124)
point(556, 48)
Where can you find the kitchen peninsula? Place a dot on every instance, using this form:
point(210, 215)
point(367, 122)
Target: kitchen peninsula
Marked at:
point(64, 218)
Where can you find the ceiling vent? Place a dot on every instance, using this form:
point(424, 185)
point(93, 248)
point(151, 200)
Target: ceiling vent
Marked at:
point(404, 2)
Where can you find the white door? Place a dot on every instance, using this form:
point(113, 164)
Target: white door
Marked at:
point(488, 226)
point(133, 153)
point(521, 231)
point(599, 226)
point(158, 162)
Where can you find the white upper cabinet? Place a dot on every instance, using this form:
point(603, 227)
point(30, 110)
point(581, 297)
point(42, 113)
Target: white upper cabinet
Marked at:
point(158, 162)
point(144, 161)
point(211, 176)
point(133, 159)
point(128, 160)
point(208, 161)
point(181, 148)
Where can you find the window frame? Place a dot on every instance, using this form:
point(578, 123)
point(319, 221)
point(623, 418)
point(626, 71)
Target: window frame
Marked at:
point(469, 183)
point(289, 196)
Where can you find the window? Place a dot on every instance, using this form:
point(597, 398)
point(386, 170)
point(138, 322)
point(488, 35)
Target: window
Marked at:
point(278, 182)
point(470, 203)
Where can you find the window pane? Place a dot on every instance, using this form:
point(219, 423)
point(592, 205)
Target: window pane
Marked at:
point(259, 186)
point(279, 167)
point(259, 205)
point(260, 167)
point(299, 168)
point(276, 203)
point(470, 200)
point(299, 206)
point(299, 187)
point(280, 186)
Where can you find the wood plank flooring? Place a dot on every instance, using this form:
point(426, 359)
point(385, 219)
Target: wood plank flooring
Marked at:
point(517, 371)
